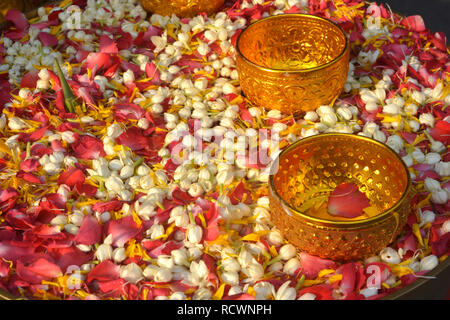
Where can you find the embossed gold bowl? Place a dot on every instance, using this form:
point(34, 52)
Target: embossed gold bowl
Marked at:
point(182, 8)
point(292, 62)
point(306, 172)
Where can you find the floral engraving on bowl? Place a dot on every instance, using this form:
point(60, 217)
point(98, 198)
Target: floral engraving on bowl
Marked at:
point(181, 8)
point(296, 47)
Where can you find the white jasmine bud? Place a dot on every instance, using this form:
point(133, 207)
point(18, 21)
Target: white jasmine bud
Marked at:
point(428, 263)
point(390, 255)
point(432, 158)
point(104, 252)
point(432, 185)
point(439, 197)
point(307, 296)
point(442, 168)
point(131, 273)
point(427, 119)
point(194, 233)
point(118, 255)
point(287, 252)
point(291, 266)
point(285, 292)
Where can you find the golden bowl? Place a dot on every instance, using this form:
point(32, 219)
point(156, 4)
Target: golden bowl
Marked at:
point(182, 8)
point(292, 62)
point(306, 172)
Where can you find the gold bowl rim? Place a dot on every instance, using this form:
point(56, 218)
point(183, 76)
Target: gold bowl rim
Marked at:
point(353, 224)
point(290, 71)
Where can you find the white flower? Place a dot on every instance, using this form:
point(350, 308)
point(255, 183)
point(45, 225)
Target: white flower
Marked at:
point(104, 252)
point(391, 108)
point(442, 168)
point(379, 135)
point(44, 74)
point(437, 146)
point(156, 231)
point(118, 254)
point(287, 252)
point(202, 294)
point(76, 218)
point(194, 233)
point(418, 155)
point(395, 141)
point(177, 296)
point(370, 128)
point(408, 160)
point(445, 227)
point(275, 237)
point(390, 255)
point(291, 266)
point(411, 109)
point(114, 130)
point(199, 272)
point(371, 106)
point(230, 264)
point(162, 275)
point(203, 48)
point(128, 77)
point(414, 125)
point(114, 184)
point(307, 296)
point(254, 271)
point(274, 114)
point(264, 290)
point(150, 271)
point(427, 217)
point(59, 220)
point(432, 158)
point(345, 113)
point(432, 185)
point(285, 292)
point(131, 273)
point(427, 119)
point(15, 123)
point(225, 177)
point(428, 263)
point(231, 278)
point(439, 197)
point(180, 257)
point(228, 88)
point(165, 261)
point(418, 96)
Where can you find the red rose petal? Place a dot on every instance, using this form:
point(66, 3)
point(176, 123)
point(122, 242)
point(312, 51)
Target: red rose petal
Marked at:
point(104, 271)
point(122, 230)
point(107, 45)
point(48, 39)
point(90, 231)
point(311, 265)
point(347, 201)
point(71, 177)
point(17, 18)
point(38, 270)
point(88, 148)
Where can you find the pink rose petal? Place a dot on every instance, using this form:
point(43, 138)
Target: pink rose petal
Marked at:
point(347, 201)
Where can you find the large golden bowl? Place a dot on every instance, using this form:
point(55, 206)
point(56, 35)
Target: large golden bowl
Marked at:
point(182, 8)
point(309, 168)
point(292, 62)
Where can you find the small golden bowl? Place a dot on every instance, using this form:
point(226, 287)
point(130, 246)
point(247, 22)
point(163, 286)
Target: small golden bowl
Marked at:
point(303, 176)
point(182, 8)
point(292, 62)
